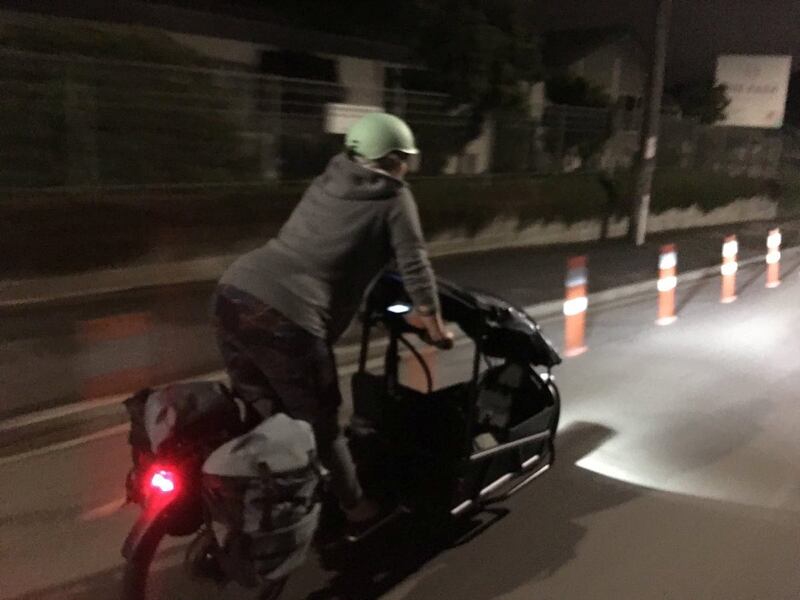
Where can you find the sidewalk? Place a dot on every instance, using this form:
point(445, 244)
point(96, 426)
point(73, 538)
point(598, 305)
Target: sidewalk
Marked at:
point(35, 341)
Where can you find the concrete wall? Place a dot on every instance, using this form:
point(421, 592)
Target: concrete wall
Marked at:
point(233, 51)
point(476, 157)
point(506, 232)
point(633, 74)
point(598, 68)
point(363, 80)
point(537, 100)
point(617, 67)
point(620, 150)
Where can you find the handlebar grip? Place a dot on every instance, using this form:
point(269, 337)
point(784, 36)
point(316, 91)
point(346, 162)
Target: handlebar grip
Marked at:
point(443, 344)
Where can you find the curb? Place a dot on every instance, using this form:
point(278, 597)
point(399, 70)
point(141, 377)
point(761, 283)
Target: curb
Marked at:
point(37, 292)
point(204, 270)
point(110, 406)
point(121, 280)
point(649, 285)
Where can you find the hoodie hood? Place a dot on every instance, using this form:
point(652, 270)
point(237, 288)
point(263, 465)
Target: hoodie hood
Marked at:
point(348, 180)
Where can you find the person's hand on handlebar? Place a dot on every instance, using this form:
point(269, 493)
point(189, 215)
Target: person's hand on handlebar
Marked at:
point(432, 329)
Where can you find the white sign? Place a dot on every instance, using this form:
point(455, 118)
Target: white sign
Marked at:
point(757, 87)
point(340, 117)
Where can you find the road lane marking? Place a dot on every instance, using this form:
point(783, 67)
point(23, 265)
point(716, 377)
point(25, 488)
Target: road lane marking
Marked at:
point(104, 510)
point(86, 405)
point(98, 435)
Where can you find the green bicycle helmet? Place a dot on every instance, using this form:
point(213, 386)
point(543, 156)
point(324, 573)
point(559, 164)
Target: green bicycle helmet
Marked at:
point(375, 135)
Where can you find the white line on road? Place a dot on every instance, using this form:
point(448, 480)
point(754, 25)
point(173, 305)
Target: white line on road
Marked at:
point(125, 427)
point(98, 435)
point(104, 510)
point(79, 407)
point(59, 412)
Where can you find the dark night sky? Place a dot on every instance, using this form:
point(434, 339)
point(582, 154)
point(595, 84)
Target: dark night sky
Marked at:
point(700, 29)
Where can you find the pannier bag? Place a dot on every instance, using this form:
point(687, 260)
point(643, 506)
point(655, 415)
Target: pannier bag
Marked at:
point(261, 488)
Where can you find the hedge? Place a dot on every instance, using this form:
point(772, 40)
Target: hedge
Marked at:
point(62, 232)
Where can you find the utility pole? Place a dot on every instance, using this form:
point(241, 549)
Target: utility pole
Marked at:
point(646, 163)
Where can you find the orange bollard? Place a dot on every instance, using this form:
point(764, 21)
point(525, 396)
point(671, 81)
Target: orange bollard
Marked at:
point(575, 305)
point(667, 282)
point(730, 250)
point(774, 240)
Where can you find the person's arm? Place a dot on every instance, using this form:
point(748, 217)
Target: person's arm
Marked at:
point(408, 244)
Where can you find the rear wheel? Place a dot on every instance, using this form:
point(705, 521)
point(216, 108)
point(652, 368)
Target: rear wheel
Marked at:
point(196, 579)
point(137, 568)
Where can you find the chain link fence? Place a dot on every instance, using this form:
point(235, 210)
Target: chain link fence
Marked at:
point(69, 121)
point(73, 121)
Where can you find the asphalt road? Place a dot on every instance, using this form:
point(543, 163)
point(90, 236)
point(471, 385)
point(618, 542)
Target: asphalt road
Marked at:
point(677, 477)
point(47, 358)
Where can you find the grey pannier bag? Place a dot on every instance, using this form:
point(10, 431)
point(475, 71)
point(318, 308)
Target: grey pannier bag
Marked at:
point(199, 415)
point(190, 412)
point(261, 488)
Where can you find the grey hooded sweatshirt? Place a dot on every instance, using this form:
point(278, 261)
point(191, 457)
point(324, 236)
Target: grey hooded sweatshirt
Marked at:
point(351, 222)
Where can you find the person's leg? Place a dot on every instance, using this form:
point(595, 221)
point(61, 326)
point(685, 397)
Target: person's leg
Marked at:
point(302, 372)
point(270, 357)
point(323, 414)
point(247, 381)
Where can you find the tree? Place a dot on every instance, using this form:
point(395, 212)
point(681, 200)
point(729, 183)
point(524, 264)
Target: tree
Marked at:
point(702, 99)
point(575, 91)
point(482, 55)
point(482, 52)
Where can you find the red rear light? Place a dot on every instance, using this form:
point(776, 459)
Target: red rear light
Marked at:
point(162, 481)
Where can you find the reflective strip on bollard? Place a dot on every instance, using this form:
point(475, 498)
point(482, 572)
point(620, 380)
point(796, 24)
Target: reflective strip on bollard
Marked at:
point(668, 260)
point(729, 267)
point(774, 240)
point(576, 302)
point(730, 248)
point(576, 306)
point(667, 283)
